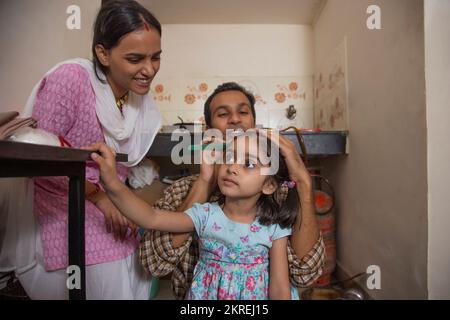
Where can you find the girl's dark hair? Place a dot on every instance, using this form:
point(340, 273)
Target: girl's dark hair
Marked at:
point(115, 19)
point(275, 208)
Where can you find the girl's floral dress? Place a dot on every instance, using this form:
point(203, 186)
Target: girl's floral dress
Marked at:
point(234, 257)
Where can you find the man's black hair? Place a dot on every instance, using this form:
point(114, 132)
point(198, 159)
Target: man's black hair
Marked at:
point(228, 86)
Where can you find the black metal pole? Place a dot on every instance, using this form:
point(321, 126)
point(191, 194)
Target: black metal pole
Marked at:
point(76, 232)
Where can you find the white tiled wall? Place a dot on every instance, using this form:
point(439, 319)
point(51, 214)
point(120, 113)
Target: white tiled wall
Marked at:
point(186, 98)
point(275, 62)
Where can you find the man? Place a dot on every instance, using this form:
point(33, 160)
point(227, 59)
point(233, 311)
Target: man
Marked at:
point(231, 106)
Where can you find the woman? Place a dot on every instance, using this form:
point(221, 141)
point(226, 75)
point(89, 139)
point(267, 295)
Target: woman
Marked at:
point(85, 102)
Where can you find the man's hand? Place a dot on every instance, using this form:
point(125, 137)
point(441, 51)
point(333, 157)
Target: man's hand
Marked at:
point(208, 167)
point(295, 165)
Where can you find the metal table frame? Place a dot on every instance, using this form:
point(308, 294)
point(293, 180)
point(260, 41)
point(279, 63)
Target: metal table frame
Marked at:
point(30, 160)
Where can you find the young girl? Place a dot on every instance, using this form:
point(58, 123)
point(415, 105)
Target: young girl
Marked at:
point(243, 237)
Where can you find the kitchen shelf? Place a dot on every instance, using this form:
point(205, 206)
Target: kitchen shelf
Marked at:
point(318, 144)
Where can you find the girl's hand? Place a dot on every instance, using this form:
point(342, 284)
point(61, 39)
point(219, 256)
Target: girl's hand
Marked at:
point(114, 221)
point(106, 162)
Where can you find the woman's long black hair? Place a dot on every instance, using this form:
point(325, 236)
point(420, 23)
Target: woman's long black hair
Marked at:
point(276, 208)
point(115, 19)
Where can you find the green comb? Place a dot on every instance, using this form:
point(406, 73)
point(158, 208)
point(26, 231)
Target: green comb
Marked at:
point(198, 147)
point(224, 145)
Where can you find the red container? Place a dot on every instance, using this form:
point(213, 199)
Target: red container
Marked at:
point(324, 203)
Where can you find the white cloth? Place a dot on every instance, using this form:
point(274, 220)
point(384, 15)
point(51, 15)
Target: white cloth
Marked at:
point(35, 136)
point(131, 133)
point(123, 279)
point(17, 226)
point(143, 174)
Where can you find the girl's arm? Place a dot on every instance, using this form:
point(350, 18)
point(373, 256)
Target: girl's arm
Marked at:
point(131, 205)
point(115, 222)
point(279, 285)
point(199, 193)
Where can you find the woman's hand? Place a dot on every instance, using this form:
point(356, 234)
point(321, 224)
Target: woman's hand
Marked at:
point(114, 221)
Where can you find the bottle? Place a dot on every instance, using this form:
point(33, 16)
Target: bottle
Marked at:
point(353, 294)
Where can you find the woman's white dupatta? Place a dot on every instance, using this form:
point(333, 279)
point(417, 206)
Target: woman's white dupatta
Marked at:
point(131, 133)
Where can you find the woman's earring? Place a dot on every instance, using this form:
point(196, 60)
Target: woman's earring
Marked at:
point(104, 59)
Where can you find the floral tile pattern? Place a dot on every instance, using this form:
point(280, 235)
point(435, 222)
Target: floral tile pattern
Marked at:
point(185, 98)
point(290, 92)
point(330, 92)
point(196, 93)
point(164, 93)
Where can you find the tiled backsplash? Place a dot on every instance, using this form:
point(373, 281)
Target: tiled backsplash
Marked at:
point(185, 98)
point(321, 101)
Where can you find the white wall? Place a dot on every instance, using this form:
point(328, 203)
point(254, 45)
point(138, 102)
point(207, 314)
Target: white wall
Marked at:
point(437, 66)
point(237, 50)
point(381, 185)
point(263, 57)
point(34, 37)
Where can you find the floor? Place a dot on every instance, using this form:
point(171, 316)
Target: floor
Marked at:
point(164, 291)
